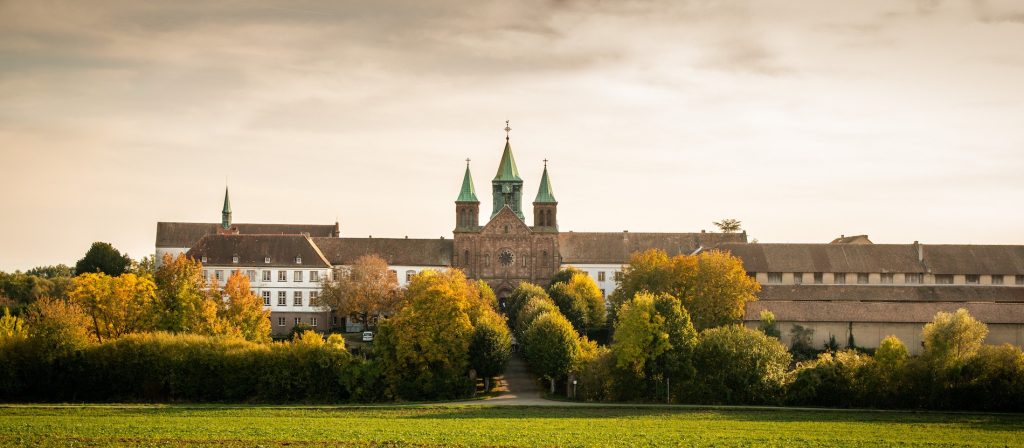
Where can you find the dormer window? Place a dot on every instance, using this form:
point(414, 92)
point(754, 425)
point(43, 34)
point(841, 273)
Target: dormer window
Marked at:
point(266, 260)
point(234, 259)
point(298, 259)
point(203, 259)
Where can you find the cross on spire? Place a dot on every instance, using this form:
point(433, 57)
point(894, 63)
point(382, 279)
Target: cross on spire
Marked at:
point(545, 163)
point(467, 161)
point(507, 129)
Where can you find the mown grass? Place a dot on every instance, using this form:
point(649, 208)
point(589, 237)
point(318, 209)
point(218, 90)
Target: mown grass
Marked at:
point(493, 426)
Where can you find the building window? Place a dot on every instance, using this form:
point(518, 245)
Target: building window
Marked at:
point(972, 279)
point(487, 260)
point(297, 298)
point(1019, 280)
point(252, 276)
point(282, 298)
point(234, 259)
point(282, 276)
point(334, 321)
point(203, 259)
point(819, 278)
point(266, 276)
point(298, 259)
point(775, 278)
point(913, 278)
point(298, 321)
point(266, 298)
point(863, 278)
point(408, 275)
point(266, 260)
point(887, 279)
point(465, 258)
point(944, 279)
point(798, 278)
point(313, 297)
point(312, 321)
point(218, 274)
point(600, 276)
point(297, 276)
point(618, 276)
point(314, 276)
point(544, 261)
point(997, 279)
point(280, 321)
point(839, 278)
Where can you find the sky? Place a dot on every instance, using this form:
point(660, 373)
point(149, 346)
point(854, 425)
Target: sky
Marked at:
point(903, 120)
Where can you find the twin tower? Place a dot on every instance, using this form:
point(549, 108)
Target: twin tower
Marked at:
point(507, 191)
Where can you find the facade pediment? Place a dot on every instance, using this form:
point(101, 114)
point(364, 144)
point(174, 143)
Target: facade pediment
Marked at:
point(506, 222)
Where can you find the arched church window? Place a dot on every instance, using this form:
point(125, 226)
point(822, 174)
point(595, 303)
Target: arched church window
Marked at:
point(544, 260)
point(506, 228)
point(465, 259)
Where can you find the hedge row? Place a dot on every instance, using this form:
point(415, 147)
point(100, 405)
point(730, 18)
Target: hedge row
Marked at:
point(161, 367)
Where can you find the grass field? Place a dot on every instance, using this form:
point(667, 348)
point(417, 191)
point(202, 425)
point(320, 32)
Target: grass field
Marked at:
point(493, 426)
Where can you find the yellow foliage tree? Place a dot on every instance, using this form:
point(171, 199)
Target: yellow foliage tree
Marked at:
point(116, 306)
point(241, 312)
point(364, 290)
point(184, 304)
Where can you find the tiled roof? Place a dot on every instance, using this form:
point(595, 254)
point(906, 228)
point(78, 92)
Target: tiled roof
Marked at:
point(616, 247)
point(760, 257)
point(186, 234)
point(396, 251)
point(973, 259)
point(252, 250)
point(892, 293)
point(882, 312)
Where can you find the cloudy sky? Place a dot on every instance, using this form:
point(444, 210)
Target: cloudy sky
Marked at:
point(805, 120)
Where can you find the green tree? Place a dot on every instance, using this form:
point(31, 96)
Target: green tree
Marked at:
point(728, 225)
point(11, 327)
point(551, 346)
point(738, 365)
point(647, 271)
point(116, 306)
point(56, 328)
point(535, 307)
point(564, 275)
point(51, 272)
point(424, 348)
point(242, 314)
point(520, 297)
point(950, 339)
point(366, 289)
point(103, 257)
point(490, 349)
point(145, 266)
point(183, 302)
point(580, 300)
point(768, 324)
point(654, 340)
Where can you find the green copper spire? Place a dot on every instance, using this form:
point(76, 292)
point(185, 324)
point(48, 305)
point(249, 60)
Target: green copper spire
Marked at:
point(546, 194)
point(468, 193)
point(507, 168)
point(225, 215)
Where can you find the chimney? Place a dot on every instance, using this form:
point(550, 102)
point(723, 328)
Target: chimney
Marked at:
point(920, 251)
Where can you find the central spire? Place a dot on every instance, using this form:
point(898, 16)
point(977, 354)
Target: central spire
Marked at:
point(225, 214)
point(507, 185)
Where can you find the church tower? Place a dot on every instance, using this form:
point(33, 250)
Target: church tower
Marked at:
point(225, 214)
point(507, 186)
point(467, 206)
point(545, 207)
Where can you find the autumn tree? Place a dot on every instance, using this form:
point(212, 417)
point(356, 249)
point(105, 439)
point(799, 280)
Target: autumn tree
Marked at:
point(537, 306)
point(11, 327)
point(116, 306)
point(654, 340)
point(738, 365)
point(728, 225)
point(551, 346)
point(713, 286)
point(424, 348)
point(580, 300)
point(103, 257)
point(56, 328)
point(951, 339)
point(242, 313)
point(364, 290)
point(183, 303)
point(565, 274)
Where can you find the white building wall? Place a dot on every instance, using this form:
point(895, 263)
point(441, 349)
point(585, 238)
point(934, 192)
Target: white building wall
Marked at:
point(274, 287)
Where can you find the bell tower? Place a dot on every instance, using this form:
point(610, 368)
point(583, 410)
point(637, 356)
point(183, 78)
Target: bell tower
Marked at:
point(545, 207)
point(507, 186)
point(467, 206)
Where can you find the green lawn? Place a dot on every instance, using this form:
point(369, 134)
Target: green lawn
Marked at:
point(493, 426)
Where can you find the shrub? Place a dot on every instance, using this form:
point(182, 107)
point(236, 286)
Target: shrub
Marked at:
point(739, 365)
point(846, 378)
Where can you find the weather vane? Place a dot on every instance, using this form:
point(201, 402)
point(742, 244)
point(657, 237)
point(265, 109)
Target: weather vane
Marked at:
point(507, 129)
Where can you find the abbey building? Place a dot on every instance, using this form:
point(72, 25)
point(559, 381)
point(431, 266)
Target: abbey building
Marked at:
point(847, 287)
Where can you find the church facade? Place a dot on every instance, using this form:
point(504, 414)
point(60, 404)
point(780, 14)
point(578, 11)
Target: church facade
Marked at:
point(847, 289)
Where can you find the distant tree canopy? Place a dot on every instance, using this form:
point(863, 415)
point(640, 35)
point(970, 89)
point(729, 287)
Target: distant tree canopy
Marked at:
point(728, 225)
point(712, 286)
point(103, 257)
point(579, 300)
point(364, 290)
